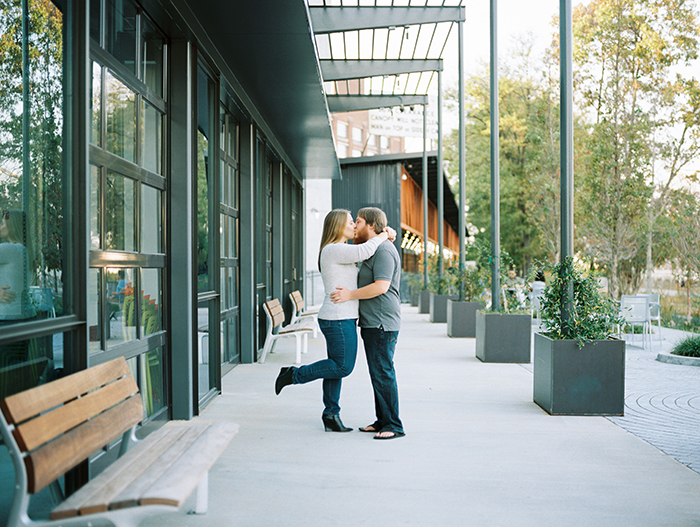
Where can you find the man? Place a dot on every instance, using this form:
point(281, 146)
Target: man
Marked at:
point(380, 320)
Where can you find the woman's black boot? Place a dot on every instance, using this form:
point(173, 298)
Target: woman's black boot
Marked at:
point(284, 378)
point(334, 424)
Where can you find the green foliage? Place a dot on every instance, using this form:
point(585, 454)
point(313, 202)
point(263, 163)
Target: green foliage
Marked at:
point(688, 347)
point(593, 316)
point(415, 281)
point(528, 157)
point(474, 281)
point(640, 115)
point(45, 142)
point(441, 285)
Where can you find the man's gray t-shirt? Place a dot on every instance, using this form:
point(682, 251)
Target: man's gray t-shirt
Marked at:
point(383, 310)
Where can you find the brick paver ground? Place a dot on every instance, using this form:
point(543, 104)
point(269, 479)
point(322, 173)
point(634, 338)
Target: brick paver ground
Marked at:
point(662, 401)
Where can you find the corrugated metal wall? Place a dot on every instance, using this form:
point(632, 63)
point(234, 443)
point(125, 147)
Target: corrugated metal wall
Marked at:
point(371, 185)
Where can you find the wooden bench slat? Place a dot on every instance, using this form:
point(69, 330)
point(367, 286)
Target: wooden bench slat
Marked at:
point(131, 495)
point(102, 490)
point(178, 482)
point(298, 301)
point(34, 433)
point(24, 405)
point(50, 461)
point(276, 312)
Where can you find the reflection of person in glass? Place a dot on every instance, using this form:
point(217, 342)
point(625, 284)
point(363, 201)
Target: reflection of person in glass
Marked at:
point(15, 303)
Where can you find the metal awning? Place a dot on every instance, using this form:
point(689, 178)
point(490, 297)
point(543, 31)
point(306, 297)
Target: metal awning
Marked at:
point(381, 53)
point(271, 53)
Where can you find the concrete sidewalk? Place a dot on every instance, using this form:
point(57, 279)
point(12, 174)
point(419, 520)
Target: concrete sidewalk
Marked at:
point(478, 452)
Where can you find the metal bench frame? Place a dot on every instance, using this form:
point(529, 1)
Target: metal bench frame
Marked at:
point(299, 330)
point(299, 313)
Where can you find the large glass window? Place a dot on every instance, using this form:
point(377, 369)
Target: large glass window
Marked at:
point(229, 218)
point(207, 240)
point(126, 195)
point(32, 221)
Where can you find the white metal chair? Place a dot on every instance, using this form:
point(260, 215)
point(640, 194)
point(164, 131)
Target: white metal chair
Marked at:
point(634, 310)
point(535, 296)
point(654, 311)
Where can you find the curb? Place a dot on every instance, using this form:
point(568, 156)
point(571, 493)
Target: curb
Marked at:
point(677, 359)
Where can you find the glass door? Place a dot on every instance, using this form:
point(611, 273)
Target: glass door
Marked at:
point(229, 211)
point(208, 341)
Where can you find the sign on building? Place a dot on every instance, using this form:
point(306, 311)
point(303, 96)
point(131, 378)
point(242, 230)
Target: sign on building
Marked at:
point(404, 121)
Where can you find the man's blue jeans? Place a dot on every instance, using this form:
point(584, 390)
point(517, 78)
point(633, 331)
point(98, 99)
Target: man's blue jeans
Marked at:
point(341, 345)
point(379, 348)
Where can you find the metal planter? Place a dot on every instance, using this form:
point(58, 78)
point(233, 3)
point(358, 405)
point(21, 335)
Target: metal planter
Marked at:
point(569, 380)
point(503, 337)
point(424, 302)
point(438, 307)
point(461, 318)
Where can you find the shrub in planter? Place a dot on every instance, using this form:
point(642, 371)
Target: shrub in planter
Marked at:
point(461, 315)
point(579, 368)
point(441, 289)
point(415, 286)
point(688, 347)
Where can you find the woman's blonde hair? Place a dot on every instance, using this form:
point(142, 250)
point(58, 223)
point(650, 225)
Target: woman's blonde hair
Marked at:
point(333, 226)
point(16, 222)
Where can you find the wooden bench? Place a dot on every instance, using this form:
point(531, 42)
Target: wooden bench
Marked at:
point(298, 312)
point(299, 330)
point(51, 428)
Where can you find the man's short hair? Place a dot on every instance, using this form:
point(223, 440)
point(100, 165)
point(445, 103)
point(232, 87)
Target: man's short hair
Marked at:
point(374, 217)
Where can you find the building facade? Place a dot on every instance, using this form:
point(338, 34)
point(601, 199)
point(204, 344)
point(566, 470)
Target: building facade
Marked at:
point(152, 187)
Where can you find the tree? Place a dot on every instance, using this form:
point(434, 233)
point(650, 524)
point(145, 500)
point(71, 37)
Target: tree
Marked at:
point(685, 231)
point(624, 50)
point(528, 146)
point(45, 43)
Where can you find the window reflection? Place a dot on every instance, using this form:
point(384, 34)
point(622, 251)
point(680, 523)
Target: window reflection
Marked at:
point(119, 213)
point(31, 179)
point(151, 138)
point(151, 300)
point(120, 35)
point(152, 53)
point(202, 214)
point(94, 207)
point(121, 326)
point(93, 312)
point(120, 112)
point(153, 392)
point(31, 362)
point(150, 220)
point(96, 101)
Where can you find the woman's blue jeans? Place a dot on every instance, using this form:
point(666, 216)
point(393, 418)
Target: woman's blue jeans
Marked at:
point(341, 345)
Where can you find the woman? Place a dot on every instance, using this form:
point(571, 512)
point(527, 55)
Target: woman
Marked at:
point(15, 303)
point(338, 322)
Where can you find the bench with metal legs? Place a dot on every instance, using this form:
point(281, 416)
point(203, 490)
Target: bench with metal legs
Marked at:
point(299, 330)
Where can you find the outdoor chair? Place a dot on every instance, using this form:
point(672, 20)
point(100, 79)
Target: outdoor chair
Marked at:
point(634, 310)
point(654, 311)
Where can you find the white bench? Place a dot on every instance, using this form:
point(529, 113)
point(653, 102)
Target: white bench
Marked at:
point(53, 427)
point(299, 313)
point(299, 330)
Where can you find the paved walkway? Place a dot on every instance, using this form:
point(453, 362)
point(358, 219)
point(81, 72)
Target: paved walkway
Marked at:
point(478, 451)
point(662, 401)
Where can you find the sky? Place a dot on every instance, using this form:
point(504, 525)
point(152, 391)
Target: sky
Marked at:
point(515, 18)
